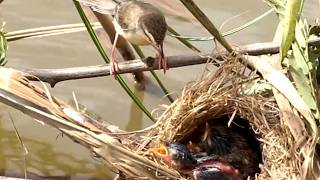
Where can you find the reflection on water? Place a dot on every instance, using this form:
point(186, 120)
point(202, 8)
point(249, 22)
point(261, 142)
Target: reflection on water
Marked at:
point(49, 156)
point(136, 115)
point(43, 161)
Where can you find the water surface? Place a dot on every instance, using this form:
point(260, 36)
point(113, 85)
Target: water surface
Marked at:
point(50, 154)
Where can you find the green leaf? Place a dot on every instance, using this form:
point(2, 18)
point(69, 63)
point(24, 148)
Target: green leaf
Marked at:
point(299, 72)
point(302, 68)
point(3, 49)
point(292, 13)
point(258, 86)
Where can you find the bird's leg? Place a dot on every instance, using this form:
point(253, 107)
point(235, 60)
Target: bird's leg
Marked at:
point(114, 64)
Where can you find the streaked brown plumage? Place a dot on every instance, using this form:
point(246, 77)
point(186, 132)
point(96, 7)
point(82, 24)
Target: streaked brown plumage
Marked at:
point(141, 24)
point(138, 22)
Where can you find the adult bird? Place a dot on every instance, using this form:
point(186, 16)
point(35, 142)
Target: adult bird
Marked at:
point(138, 22)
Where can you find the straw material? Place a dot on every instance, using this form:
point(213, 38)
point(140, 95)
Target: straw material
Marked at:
point(221, 94)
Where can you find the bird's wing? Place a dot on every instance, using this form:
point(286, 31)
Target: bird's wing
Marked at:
point(101, 6)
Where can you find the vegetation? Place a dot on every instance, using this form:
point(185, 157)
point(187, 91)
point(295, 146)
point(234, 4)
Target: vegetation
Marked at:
point(282, 88)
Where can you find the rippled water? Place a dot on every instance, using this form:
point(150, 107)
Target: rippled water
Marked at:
point(50, 155)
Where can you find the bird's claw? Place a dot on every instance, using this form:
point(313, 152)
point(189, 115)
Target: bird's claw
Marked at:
point(114, 68)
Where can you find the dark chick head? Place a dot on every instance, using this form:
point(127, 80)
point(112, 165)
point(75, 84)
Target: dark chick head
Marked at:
point(180, 156)
point(176, 155)
point(215, 170)
point(205, 173)
point(229, 145)
point(217, 145)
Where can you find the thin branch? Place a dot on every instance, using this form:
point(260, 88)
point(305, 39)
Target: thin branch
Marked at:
point(53, 76)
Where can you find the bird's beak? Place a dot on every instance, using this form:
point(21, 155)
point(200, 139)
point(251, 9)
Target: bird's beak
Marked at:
point(160, 50)
point(162, 61)
point(161, 151)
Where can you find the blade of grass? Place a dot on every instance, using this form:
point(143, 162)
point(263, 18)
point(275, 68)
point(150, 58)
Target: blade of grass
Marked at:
point(106, 59)
point(23, 146)
point(204, 20)
point(3, 49)
point(182, 40)
point(47, 31)
point(232, 31)
point(237, 29)
point(163, 88)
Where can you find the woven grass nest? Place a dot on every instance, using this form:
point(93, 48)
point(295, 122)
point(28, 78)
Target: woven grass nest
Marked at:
point(222, 98)
point(220, 102)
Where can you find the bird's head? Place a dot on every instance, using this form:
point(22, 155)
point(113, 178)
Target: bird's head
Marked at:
point(216, 170)
point(209, 173)
point(155, 28)
point(176, 155)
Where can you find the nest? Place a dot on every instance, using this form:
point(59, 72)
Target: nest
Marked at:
point(220, 98)
point(223, 97)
